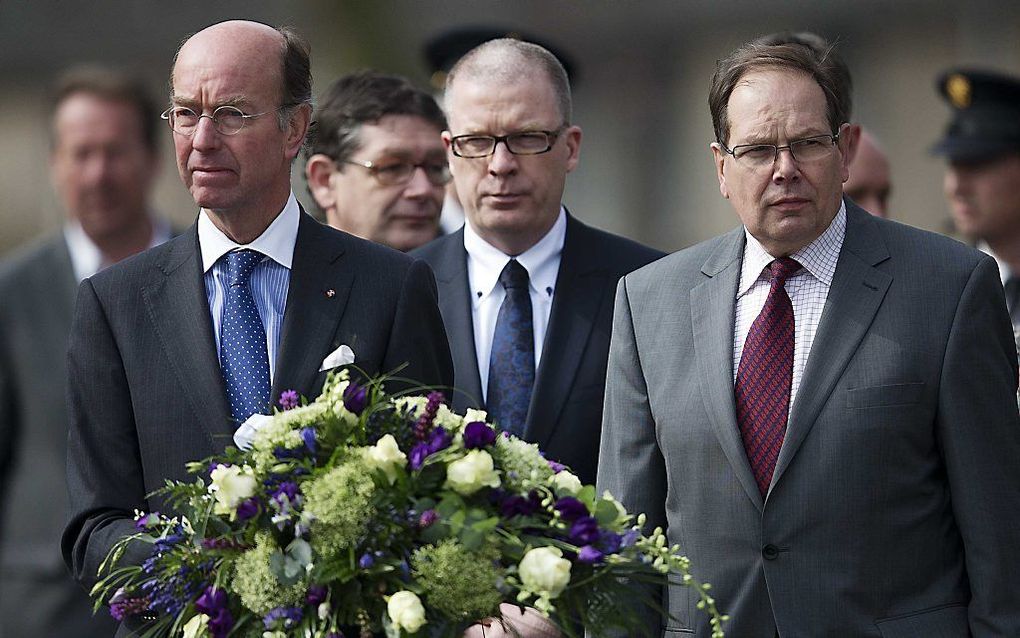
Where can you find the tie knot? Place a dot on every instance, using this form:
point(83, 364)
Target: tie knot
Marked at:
point(514, 275)
point(240, 264)
point(783, 267)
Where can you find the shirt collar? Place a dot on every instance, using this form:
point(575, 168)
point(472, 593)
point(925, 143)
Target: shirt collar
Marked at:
point(542, 260)
point(277, 241)
point(818, 258)
point(87, 258)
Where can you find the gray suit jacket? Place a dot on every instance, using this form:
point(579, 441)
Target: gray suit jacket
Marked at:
point(895, 503)
point(146, 391)
point(566, 406)
point(37, 595)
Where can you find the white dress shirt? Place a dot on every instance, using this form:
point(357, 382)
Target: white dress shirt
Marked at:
point(808, 289)
point(485, 262)
point(87, 259)
point(270, 280)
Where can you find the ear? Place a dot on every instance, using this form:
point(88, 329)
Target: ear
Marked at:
point(848, 137)
point(297, 129)
point(719, 157)
point(573, 137)
point(318, 171)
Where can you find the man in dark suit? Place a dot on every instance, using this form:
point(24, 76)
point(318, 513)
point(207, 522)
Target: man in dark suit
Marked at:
point(525, 288)
point(817, 407)
point(103, 160)
point(172, 350)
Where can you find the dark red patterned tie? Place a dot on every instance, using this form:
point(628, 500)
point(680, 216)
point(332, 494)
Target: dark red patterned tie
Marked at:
point(765, 375)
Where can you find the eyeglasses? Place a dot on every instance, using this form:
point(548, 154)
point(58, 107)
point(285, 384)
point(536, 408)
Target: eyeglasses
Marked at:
point(523, 143)
point(808, 149)
point(394, 173)
point(228, 120)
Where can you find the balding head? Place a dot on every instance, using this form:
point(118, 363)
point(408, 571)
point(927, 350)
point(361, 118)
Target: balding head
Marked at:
point(869, 183)
point(506, 60)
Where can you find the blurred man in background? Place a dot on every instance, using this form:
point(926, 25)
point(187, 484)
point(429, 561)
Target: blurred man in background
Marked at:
point(103, 162)
point(375, 160)
point(870, 182)
point(982, 182)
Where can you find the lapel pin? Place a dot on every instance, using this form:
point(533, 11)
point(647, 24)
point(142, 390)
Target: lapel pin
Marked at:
point(330, 293)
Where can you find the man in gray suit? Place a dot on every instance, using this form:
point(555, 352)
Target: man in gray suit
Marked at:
point(103, 159)
point(171, 350)
point(819, 406)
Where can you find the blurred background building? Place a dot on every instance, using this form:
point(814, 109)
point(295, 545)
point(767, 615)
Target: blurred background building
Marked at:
point(640, 92)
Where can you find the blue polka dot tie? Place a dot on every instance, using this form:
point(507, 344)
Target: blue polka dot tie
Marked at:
point(243, 354)
point(512, 360)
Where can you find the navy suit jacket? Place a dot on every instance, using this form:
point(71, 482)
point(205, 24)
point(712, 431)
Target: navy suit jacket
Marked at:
point(565, 416)
point(145, 389)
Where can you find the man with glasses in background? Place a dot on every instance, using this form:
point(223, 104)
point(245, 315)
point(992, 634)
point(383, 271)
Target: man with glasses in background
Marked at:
point(818, 406)
point(376, 165)
point(524, 287)
point(172, 351)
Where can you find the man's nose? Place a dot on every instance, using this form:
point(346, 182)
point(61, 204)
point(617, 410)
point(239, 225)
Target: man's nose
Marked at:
point(205, 136)
point(502, 161)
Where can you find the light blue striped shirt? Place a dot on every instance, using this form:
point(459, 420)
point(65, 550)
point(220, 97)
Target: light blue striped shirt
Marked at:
point(270, 281)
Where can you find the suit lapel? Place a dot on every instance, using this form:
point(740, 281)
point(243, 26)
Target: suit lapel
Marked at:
point(712, 317)
point(312, 314)
point(855, 295)
point(455, 306)
point(580, 288)
point(179, 311)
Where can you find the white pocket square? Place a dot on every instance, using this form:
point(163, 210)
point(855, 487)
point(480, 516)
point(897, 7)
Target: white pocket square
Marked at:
point(339, 357)
point(244, 436)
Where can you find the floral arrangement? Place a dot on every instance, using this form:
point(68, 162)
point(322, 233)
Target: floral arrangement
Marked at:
point(370, 512)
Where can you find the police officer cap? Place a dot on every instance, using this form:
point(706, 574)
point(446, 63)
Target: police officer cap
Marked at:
point(443, 50)
point(986, 114)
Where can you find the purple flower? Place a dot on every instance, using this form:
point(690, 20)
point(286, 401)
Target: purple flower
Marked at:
point(419, 453)
point(556, 467)
point(610, 542)
point(421, 427)
point(589, 554)
point(584, 531)
point(630, 538)
point(248, 508)
point(308, 436)
point(570, 508)
point(143, 523)
point(211, 600)
point(286, 488)
point(220, 623)
point(440, 439)
point(515, 505)
point(478, 435)
point(123, 606)
point(355, 398)
point(428, 518)
point(288, 399)
point(282, 618)
point(316, 595)
point(366, 561)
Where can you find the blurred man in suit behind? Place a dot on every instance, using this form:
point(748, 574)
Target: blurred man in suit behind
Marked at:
point(818, 406)
point(525, 288)
point(375, 159)
point(103, 160)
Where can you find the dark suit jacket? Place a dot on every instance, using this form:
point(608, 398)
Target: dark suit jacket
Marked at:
point(895, 503)
point(146, 392)
point(565, 416)
point(37, 595)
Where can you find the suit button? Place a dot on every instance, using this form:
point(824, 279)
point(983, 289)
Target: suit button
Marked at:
point(770, 552)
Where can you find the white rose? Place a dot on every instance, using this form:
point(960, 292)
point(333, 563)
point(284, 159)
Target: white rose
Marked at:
point(544, 571)
point(470, 473)
point(471, 415)
point(231, 485)
point(566, 483)
point(386, 456)
point(197, 626)
point(406, 611)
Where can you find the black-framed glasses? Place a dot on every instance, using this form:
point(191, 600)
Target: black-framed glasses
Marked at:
point(395, 173)
point(522, 143)
point(226, 119)
point(808, 149)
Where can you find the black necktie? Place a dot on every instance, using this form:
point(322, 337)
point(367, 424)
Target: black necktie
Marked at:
point(512, 359)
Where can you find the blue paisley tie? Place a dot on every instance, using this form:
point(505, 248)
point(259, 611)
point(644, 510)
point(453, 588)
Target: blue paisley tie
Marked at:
point(512, 361)
point(243, 354)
